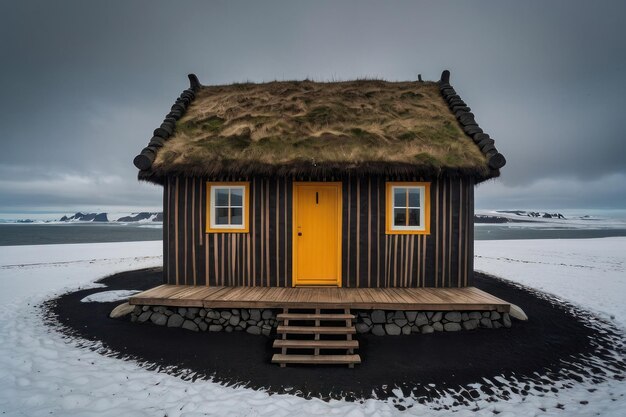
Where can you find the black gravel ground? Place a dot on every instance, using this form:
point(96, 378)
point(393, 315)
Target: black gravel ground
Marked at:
point(559, 343)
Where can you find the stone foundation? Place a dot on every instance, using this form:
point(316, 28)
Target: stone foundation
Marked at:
point(263, 321)
point(253, 321)
point(381, 323)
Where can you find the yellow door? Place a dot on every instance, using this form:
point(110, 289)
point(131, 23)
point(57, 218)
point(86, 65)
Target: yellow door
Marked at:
point(317, 233)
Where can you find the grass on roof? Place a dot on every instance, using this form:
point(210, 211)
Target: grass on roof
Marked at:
point(304, 123)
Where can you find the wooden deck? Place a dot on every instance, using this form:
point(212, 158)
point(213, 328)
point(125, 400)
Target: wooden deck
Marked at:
point(433, 299)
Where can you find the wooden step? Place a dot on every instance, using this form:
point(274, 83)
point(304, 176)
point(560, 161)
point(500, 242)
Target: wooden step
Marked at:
point(315, 330)
point(317, 360)
point(319, 344)
point(302, 316)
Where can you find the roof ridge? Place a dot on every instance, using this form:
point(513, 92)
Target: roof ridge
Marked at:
point(463, 114)
point(161, 134)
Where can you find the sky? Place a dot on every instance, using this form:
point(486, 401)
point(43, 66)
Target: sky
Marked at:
point(83, 84)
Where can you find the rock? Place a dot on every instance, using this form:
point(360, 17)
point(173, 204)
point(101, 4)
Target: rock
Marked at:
point(197, 320)
point(378, 317)
point(235, 311)
point(145, 308)
point(436, 316)
point(212, 314)
point(243, 324)
point(137, 310)
point(367, 321)
point(190, 325)
point(202, 312)
point(399, 315)
point(245, 315)
point(238, 328)
point(168, 312)
point(406, 330)
point(393, 329)
point(192, 312)
point(400, 322)
point(464, 317)
point(159, 309)
point(496, 325)
point(452, 327)
point(133, 318)
point(362, 328)
point(215, 328)
point(267, 314)
point(517, 313)
point(415, 329)
point(253, 330)
point(438, 326)
point(470, 324)
point(144, 316)
point(411, 315)
point(266, 329)
point(421, 319)
point(494, 316)
point(506, 320)
point(453, 316)
point(203, 326)
point(234, 320)
point(485, 322)
point(226, 314)
point(182, 311)
point(429, 314)
point(378, 330)
point(486, 314)
point(427, 329)
point(121, 310)
point(228, 329)
point(175, 320)
point(255, 314)
point(159, 319)
point(475, 315)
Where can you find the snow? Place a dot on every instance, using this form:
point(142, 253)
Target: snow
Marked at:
point(109, 296)
point(43, 372)
point(589, 272)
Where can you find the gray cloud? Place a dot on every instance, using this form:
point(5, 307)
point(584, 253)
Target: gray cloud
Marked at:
point(83, 84)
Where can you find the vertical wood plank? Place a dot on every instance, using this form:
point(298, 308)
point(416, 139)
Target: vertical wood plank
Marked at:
point(267, 231)
point(369, 232)
point(357, 221)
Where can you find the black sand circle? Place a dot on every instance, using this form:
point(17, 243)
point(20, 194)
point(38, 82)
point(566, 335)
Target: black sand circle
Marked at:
point(559, 342)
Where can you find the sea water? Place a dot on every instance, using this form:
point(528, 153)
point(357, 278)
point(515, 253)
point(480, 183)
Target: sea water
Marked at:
point(579, 224)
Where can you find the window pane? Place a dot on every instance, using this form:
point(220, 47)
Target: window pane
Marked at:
point(236, 216)
point(221, 216)
point(236, 197)
point(414, 197)
point(399, 217)
point(414, 217)
point(221, 197)
point(399, 197)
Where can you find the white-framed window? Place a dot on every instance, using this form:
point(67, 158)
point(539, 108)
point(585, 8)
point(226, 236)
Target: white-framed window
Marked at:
point(408, 208)
point(227, 207)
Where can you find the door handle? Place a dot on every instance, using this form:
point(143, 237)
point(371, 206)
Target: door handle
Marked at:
point(299, 233)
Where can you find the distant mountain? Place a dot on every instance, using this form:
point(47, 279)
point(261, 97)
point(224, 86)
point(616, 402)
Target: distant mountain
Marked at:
point(86, 217)
point(515, 216)
point(106, 218)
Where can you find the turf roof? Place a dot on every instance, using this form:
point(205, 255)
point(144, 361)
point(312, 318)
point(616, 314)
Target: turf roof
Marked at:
point(319, 128)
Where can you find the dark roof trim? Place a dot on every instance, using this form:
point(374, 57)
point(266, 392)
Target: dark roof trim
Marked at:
point(463, 114)
point(161, 134)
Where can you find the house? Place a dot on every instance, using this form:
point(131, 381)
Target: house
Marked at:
point(360, 184)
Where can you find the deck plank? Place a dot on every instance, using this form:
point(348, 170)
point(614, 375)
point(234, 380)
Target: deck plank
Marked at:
point(435, 299)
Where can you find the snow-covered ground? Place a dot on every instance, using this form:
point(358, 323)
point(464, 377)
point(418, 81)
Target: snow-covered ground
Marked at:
point(44, 373)
point(588, 272)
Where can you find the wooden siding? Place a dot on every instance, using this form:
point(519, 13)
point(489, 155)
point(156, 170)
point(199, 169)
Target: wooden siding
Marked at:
point(371, 258)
